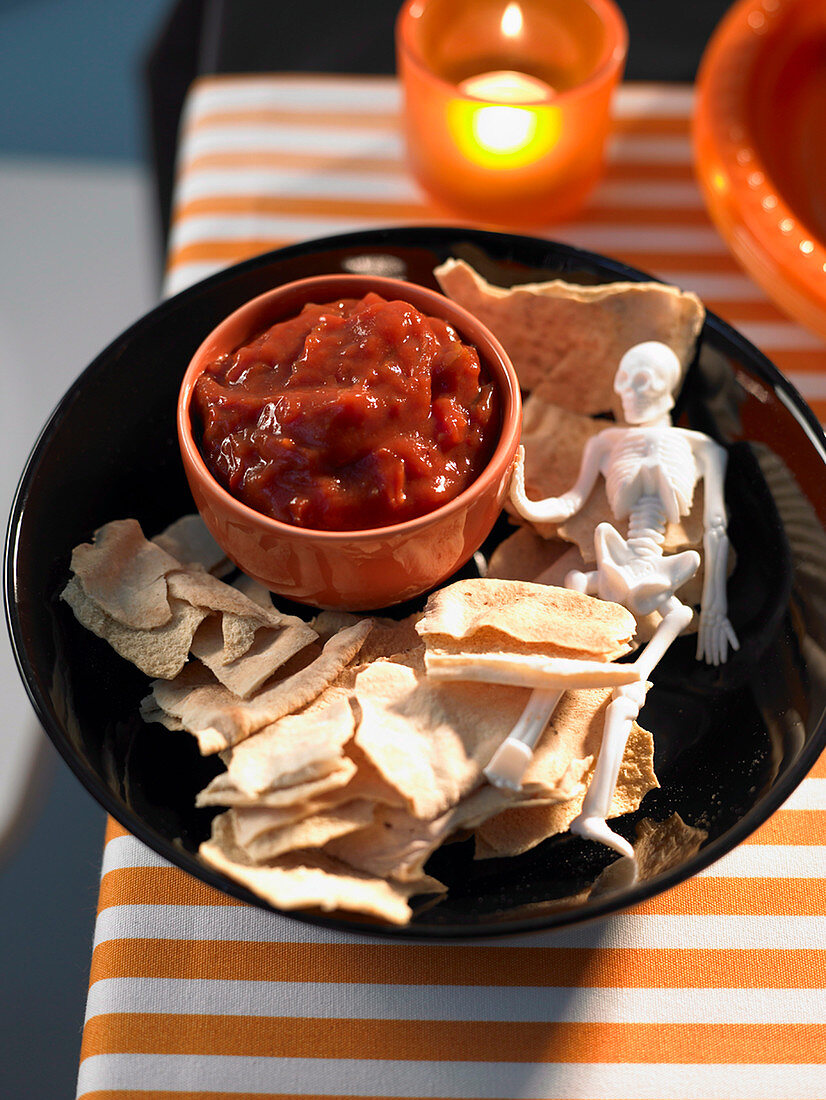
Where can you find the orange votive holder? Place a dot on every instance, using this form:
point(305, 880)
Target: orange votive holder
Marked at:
point(507, 103)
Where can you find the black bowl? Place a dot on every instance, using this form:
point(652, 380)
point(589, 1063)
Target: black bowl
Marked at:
point(731, 743)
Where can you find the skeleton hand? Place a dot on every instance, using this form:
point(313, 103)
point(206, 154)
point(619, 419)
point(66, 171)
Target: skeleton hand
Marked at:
point(714, 637)
point(550, 510)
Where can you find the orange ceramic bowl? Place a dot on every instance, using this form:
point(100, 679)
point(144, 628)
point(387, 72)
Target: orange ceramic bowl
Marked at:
point(759, 148)
point(366, 569)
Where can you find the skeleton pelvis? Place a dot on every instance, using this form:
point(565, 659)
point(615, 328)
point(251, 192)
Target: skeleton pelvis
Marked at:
point(640, 582)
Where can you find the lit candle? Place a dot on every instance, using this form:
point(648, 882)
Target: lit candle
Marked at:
point(507, 103)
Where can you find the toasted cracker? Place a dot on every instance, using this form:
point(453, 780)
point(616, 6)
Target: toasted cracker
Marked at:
point(190, 543)
point(528, 670)
point(301, 880)
point(662, 845)
point(396, 844)
point(244, 668)
point(428, 740)
point(124, 574)
point(525, 555)
point(160, 652)
point(294, 749)
point(519, 616)
point(237, 635)
point(203, 590)
point(292, 800)
point(388, 637)
point(314, 830)
point(569, 339)
point(220, 720)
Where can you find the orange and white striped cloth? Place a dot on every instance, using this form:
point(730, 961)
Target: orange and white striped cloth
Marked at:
point(712, 990)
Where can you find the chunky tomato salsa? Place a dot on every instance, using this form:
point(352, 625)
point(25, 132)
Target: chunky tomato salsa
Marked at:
point(355, 414)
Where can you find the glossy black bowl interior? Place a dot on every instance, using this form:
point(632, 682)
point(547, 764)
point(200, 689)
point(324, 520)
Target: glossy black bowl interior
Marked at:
point(731, 744)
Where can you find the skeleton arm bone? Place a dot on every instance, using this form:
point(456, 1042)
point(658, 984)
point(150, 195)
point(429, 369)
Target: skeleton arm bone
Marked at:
point(558, 509)
point(715, 633)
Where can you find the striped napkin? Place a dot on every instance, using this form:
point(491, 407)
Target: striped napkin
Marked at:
point(712, 990)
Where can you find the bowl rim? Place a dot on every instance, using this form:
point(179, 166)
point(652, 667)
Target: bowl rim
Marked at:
point(611, 60)
point(492, 356)
point(553, 920)
point(763, 231)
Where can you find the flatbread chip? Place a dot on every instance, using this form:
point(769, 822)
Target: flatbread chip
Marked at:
point(520, 616)
point(428, 740)
point(291, 800)
point(294, 749)
point(302, 880)
point(525, 555)
point(662, 845)
point(394, 845)
point(150, 712)
point(190, 543)
point(312, 831)
point(125, 575)
point(160, 652)
point(327, 623)
point(529, 670)
point(203, 590)
point(219, 719)
point(397, 845)
point(569, 339)
point(388, 637)
point(242, 654)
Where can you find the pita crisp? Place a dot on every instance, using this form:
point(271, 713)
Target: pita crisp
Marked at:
point(161, 651)
point(430, 741)
point(124, 574)
point(295, 749)
point(554, 439)
point(314, 830)
point(525, 555)
point(486, 614)
point(189, 542)
point(155, 611)
point(396, 844)
point(569, 339)
point(221, 791)
point(301, 880)
point(219, 719)
point(242, 654)
point(530, 670)
point(660, 846)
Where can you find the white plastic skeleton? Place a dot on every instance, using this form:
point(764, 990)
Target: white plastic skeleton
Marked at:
point(651, 469)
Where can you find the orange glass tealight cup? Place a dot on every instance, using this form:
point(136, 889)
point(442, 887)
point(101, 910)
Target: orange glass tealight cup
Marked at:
point(507, 103)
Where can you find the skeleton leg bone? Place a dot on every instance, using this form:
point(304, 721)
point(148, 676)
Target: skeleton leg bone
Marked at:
point(510, 761)
point(623, 710)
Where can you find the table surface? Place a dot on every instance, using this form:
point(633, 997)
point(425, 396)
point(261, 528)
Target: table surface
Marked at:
point(713, 989)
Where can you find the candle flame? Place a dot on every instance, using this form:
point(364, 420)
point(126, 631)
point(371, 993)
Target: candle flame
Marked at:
point(512, 20)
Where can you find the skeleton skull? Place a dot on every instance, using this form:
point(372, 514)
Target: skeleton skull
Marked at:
point(645, 381)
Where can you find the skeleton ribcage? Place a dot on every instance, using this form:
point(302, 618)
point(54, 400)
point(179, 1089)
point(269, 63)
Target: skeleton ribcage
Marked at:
point(651, 462)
